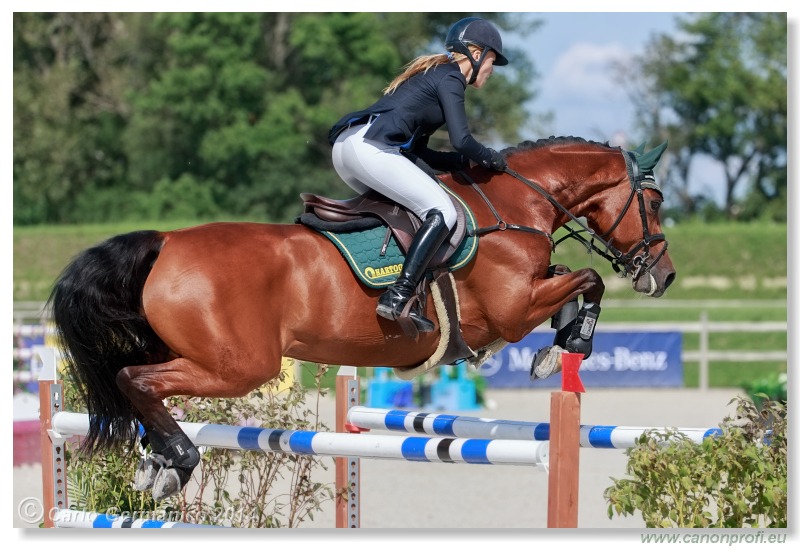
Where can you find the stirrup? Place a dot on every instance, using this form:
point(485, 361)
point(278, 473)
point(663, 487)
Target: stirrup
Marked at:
point(404, 309)
point(390, 303)
point(411, 311)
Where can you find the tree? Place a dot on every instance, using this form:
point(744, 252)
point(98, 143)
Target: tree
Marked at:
point(210, 114)
point(70, 80)
point(719, 88)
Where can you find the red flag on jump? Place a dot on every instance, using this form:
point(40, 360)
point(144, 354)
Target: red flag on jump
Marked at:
point(570, 379)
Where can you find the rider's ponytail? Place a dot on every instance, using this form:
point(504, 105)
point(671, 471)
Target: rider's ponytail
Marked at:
point(422, 64)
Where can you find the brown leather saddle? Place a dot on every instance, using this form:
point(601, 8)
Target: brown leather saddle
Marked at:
point(402, 223)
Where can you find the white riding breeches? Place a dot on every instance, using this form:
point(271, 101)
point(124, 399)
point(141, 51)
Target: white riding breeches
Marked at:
point(365, 164)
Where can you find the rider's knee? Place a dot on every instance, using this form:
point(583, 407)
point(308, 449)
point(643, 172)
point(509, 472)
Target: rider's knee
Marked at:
point(448, 212)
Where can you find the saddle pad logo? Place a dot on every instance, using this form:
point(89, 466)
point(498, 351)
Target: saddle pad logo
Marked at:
point(376, 274)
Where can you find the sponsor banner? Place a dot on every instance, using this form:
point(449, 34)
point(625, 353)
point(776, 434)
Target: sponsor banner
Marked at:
point(619, 359)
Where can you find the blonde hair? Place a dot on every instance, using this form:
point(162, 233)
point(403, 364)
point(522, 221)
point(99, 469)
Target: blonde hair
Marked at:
point(422, 64)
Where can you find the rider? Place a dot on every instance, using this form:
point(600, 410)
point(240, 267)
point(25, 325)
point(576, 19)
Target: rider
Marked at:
point(376, 148)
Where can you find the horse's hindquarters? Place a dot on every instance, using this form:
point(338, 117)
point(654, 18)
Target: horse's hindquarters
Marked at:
point(234, 295)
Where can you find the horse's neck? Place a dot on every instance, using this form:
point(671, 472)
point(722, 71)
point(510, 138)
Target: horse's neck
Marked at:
point(533, 204)
point(573, 183)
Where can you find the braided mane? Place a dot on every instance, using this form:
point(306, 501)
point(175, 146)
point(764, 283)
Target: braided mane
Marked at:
point(552, 140)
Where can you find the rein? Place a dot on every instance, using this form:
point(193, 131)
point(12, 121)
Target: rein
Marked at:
point(501, 225)
point(621, 262)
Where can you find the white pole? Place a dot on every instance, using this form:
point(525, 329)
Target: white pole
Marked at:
point(411, 448)
point(595, 436)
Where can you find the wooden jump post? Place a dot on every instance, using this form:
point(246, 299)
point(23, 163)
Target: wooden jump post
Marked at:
point(565, 429)
point(348, 472)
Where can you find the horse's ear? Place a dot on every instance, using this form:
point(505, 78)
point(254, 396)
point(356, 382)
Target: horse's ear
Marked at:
point(640, 150)
point(649, 159)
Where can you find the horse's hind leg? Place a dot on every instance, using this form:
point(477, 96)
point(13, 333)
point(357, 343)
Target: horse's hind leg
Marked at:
point(173, 456)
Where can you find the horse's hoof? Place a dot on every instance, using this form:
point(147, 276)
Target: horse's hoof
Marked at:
point(166, 484)
point(546, 362)
point(146, 472)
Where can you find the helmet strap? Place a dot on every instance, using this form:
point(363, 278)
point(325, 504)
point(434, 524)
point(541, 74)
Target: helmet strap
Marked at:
point(476, 65)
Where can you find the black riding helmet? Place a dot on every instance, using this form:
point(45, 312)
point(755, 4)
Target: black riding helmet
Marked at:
point(481, 33)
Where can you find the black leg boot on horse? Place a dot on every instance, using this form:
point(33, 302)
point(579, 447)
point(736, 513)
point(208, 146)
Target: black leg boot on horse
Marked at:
point(168, 468)
point(423, 247)
point(574, 334)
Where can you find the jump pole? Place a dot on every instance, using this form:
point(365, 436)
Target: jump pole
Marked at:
point(58, 425)
point(564, 455)
point(565, 426)
point(592, 436)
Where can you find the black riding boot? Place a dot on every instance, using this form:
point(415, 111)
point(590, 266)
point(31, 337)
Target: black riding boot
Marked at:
point(424, 246)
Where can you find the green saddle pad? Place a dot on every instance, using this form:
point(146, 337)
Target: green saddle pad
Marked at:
point(362, 250)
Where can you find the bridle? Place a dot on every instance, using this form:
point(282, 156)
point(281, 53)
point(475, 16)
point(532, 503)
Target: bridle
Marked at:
point(633, 262)
point(639, 182)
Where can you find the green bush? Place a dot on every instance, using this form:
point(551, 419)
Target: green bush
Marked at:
point(230, 488)
point(735, 480)
point(771, 387)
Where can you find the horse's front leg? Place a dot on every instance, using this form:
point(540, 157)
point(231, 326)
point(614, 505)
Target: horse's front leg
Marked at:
point(574, 326)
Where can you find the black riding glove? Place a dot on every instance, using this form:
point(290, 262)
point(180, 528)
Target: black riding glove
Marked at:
point(497, 162)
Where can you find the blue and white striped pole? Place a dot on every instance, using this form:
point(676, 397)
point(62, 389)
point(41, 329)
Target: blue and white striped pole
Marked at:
point(411, 448)
point(603, 437)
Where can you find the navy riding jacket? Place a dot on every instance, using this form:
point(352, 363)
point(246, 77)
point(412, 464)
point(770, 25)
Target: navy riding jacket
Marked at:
point(416, 109)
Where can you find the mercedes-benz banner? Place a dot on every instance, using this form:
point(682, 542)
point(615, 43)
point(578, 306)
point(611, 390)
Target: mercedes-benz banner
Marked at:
point(618, 359)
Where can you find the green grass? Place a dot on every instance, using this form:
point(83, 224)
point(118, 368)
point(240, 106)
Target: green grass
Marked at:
point(649, 312)
point(720, 374)
point(41, 252)
point(730, 374)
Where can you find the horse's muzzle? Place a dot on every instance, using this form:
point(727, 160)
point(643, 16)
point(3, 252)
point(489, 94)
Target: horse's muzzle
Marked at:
point(654, 282)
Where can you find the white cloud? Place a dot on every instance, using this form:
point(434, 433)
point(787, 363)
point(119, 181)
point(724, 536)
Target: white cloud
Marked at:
point(585, 72)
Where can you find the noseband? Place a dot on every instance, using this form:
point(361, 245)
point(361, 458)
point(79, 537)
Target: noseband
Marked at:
point(634, 263)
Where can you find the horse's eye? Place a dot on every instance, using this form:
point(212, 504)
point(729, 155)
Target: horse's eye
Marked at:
point(655, 205)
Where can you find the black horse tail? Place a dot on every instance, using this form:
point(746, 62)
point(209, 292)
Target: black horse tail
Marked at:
point(97, 308)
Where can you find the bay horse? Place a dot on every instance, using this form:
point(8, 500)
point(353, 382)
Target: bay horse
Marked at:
point(209, 311)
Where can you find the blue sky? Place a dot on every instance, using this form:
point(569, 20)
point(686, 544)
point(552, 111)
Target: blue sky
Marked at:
point(574, 53)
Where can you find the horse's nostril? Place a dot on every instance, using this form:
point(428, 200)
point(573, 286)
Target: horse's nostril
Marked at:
point(668, 280)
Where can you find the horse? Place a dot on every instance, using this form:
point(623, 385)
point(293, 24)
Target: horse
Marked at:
point(210, 310)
